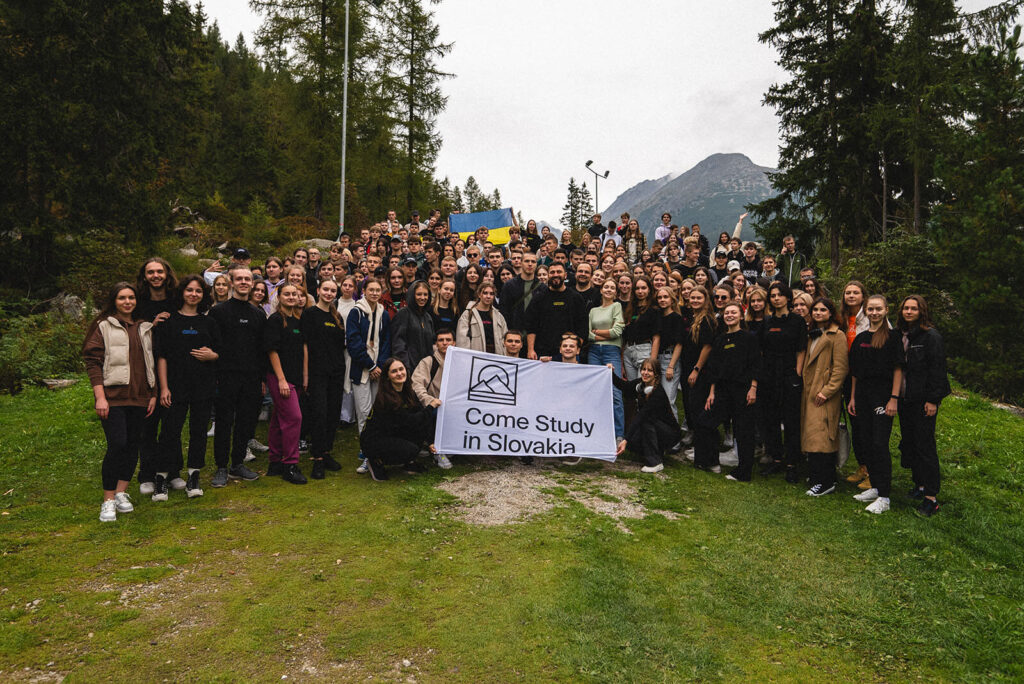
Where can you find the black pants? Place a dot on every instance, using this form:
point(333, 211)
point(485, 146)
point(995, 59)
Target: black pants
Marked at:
point(650, 438)
point(782, 393)
point(323, 401)
point(859, 434)
point(731, 405)
point(390, 450)
point(198, 412)
point(918, 446)
point(822, 468)
point(123, 430)
point(238, 405)
point(705, 439)
point(149, 452)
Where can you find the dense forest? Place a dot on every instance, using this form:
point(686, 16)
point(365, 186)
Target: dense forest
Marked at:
point(902, 163)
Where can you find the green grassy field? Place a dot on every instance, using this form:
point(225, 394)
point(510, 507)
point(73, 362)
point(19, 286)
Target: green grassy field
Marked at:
point(348, 579)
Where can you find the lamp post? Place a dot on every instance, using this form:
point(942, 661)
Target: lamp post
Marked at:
point(344, 130)
point(597, 176)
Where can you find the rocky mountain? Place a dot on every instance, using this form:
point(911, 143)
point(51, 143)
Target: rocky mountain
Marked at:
point(712, 193)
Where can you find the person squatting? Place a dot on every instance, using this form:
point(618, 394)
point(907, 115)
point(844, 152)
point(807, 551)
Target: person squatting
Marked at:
point(723, 353)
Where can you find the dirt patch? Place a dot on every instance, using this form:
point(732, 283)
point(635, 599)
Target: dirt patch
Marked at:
point(511, 493)
point(30, 675)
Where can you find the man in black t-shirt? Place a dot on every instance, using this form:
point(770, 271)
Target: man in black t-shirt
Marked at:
point(555, 310)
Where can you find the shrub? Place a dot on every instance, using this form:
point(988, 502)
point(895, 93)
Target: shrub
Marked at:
point(40, 346)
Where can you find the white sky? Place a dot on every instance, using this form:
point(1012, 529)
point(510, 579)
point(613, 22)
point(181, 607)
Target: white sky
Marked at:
point(643, 88)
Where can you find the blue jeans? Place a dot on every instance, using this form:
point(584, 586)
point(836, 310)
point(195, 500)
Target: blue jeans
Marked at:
point(600, 355)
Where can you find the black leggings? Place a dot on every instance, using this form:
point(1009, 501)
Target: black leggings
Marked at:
point(123, 430)
point(390, 450)
point(324, 403)
point(198, 411)
point(919, 446)
point(149, 452)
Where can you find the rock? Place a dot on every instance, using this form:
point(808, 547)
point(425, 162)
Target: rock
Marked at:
point(222, 247)
point(188, 251)
point(319, 243)
point(59, 383)
point(68, 305)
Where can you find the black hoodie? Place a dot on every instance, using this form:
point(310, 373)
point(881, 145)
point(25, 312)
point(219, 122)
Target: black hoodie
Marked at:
point(412, 331)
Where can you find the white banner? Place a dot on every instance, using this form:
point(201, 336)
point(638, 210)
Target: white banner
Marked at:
point(502, 406)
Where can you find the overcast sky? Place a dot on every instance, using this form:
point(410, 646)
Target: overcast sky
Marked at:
point(643, 88)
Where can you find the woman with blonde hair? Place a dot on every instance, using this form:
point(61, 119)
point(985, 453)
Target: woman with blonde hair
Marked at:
point(221, 289)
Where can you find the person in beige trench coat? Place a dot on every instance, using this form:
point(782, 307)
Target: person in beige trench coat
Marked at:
point(825, 367)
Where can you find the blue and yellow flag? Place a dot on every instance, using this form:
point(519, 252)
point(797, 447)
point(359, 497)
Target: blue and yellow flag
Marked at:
point(497, 223)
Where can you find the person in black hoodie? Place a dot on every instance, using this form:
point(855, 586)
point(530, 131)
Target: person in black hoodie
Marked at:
point(323, 332)
point(925, 385)
point(185, 347)
point(412, 328)
point(653, 428)
point(554, 310)
point(735, 364)
point(397, 426)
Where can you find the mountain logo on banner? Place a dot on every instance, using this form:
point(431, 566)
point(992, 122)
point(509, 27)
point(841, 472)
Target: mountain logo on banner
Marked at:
point(493, 382)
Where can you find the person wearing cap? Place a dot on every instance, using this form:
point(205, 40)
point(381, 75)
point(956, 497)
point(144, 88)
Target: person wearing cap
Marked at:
point(408, 266)
point(733, 266)
point(414, 223)
point(240, 257)
point(720, 268)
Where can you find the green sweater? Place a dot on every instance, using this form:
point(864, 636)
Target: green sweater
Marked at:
point(608, 318)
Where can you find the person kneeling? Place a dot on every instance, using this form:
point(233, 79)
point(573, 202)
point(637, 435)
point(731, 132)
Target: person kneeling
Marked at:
point(426, 380)
point(653, 429)
point(397, 425)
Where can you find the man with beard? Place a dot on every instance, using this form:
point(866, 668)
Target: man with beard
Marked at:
point(555, 310)
point(590, 294)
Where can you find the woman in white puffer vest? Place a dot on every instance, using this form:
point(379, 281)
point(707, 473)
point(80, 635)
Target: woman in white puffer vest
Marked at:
point(118, 354)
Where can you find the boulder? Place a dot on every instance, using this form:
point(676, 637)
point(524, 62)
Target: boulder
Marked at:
point(68, 305)
point(319, 243)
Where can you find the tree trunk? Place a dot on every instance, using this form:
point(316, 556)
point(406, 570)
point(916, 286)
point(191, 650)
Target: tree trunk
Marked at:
point(916, 224)
point(885, 196)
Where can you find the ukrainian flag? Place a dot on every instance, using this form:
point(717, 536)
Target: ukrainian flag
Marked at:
point(497, 222)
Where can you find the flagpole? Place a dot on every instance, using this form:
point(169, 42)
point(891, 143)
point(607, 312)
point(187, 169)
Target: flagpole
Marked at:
point(344, 130)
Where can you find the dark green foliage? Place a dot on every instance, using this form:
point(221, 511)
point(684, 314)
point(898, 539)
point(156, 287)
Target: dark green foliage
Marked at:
point(37, 347)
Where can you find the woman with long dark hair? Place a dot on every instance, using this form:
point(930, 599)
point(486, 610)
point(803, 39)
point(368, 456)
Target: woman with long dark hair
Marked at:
point(606, 323)
point(323, 332)
point(185, 347)
point(783, 347)
point(472, 278)
point(397, 426)
point(670, 344)
point(118, 354)
point(925, 385)
point(412, 329)
point(876, 370)
point(481, 326)
point(643, 320)
point(653, 428)
point(825, 368)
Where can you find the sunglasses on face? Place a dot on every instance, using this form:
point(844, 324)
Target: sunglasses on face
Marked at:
point(721, 296)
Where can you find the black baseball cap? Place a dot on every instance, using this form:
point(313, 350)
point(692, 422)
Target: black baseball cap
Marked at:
point(240, 254)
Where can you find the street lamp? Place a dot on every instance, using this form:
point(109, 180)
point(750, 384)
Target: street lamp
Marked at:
point(597, 176)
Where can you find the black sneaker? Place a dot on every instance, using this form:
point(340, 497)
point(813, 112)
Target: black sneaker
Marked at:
point(275, 468)
point(735, 475)
point(928, 508)
point(792, 476)
point(772, 468)
point(526, 460)
point(414, 467)
point(220, 478)
point(293, 474)
point(160, 487)
point(240, 472)
point(192, 488)
point(376, 469)
point(331, 464)
point(916, 493)
point(319, 469)
point(303, 446)
point(821, 489)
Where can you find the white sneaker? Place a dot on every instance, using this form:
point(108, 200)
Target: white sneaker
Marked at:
point(108, 511)
point(249, 456)
point(572, 461)
point(729, 458)
point(146, 488)
point(362, 469)
point(176, 484)
point(212, 430)
point(443, 462)
point(123, 502)
point(254, 445)
point(653, 469)
point(821, 490)
point(688, 454)
point(716, 469)
point(264, 414)
point(728, 442)
point(879, 505)
point(867, 495)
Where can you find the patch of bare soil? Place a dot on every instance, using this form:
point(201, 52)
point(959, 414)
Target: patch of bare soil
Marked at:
point(30, 675)
point(512, 493)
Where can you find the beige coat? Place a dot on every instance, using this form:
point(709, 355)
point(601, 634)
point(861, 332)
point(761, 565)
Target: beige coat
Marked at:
point(425, 387)
point(825, 370)
point(469, 333)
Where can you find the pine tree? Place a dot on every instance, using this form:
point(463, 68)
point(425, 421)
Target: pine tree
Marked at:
point(456, 200)
point(473, 196)
point(586, 207)
point(495, 199)
point(571, 217)
point(410, 49)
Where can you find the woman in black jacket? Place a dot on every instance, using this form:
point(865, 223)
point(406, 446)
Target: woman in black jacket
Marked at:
point(397, 425)
point(653, 429)
point(734, 366)
point(412, 328)
point(925, 385)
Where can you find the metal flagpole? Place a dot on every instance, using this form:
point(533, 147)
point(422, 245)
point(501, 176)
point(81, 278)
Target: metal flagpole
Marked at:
point(344, 130)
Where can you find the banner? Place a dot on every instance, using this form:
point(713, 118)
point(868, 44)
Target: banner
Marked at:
point(503, 406)
point(497, 223)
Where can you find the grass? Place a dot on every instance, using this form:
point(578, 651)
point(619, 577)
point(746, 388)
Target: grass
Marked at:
point(345, 579)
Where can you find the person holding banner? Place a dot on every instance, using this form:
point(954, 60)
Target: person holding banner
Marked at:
point(397, 425)
point(654, 429)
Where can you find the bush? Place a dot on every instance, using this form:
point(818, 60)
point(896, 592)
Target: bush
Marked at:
point(95, 260)
point(40, 346)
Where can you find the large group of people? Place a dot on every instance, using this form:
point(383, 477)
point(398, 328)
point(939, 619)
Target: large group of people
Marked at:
point(718, 351)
